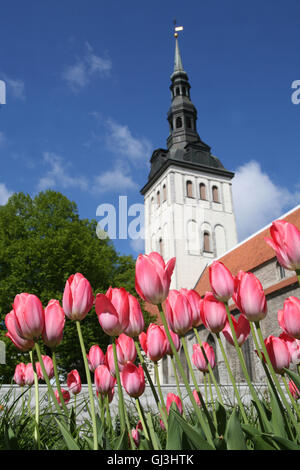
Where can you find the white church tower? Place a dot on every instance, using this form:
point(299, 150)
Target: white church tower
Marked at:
point(188, 200)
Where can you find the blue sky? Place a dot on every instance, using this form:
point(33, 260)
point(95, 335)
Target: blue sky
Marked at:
point(88, 92)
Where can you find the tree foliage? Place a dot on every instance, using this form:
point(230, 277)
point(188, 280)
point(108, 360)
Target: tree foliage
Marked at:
point(42, 242)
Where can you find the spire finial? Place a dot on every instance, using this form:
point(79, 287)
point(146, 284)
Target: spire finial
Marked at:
point(177, 60)
point(177, 28)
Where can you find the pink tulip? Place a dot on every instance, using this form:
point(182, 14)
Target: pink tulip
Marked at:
point(19, 375)
point(154, 342)
point(249, 296)
point(196, 396)
point(195, 302)
point(95, 357)
point(29, 316)
point(198, 358)
point(213, 313)
point(19, 342)
point(136, 436)
point(289, 317)
point(294, 390)
point(221, 281)
point(110, 361)
point(178, 312)
point(78, 297)
point(29, 374)
point(241, 327)
point(293, 346)
point(176, 341)
point(54, 324)
point(48, 364)
point(153, 277)
point(285, 242)
point(65, 394)
point(113, 311)
point(278, 353)
point(136, 320)
point(103, 380)
point(171, 397)
point(133, 380)
point(126, 343)
point(162, 425)
point(74, 382)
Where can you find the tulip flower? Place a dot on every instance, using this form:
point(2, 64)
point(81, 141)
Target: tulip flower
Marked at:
point(136, 319)
point(285, 241)
point(196, 396)
point(95, 357)
point(29, 316)
point(133, 380)
point(29, 374)
point(127, 346)
point(47, 361)
point(195, 302)
point(179, 313)
point(241, 327)
point(293, 346)
point(19, 342)
point(198, 358)
point(113, 311)
point(171, 397)
point(109, 360)
point(221, 281)
point(78, 297)
point(54, 324)
point(74, 382)
point(136, 436)
point(289, 317)
point(176, 341)
point(153, 277)
point(103, 379)
point(65, 394)
point(278, 353)
point(19, 375)
point(294, 390)
point(213, 313)
point(249, 296)
point(154, 342)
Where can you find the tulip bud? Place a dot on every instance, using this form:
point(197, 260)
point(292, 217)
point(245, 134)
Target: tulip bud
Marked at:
point(126, 343)
point(221, 281)
point(196, 396)
point(110, 360)
point(19, 375)
point(171, 397)
point(285, 242)
point(95, 357)
point(178, 312)
point(293, 346)
point(294, 390)
point(133, 380)
point(113, 311)
point(153, 277)
point(213, 313)
point(195, 304)
point(65, 394)
point(136, 436)
point(289, 317)
point(249, 296)
point(78, 297)
point(29, 316)
point(136, 320)
point(29, 374)
point(74, 382)
point(54, 324)
point(103, 379)
point(198, 357)
point(12, 333)
point(154, 342)
point(176, 341)
point(241, 327)
point(48, 364)
point(278, 353)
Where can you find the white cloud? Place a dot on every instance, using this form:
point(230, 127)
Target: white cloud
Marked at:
point(138, 245)
point(85, 68)
point(14, 87)
point(4, 194)
point(120, 140)
point(117, 179)
point(58, 176)
point(257, 199)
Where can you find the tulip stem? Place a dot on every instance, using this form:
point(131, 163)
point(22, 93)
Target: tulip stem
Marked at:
point(37, 402)
point(108, 416)
point(274, 377)
point(178, 386)
point(212, 400)
point(120, 392)
point(141, 415)
point(205, 388)
point(298, 275)
point(232, 380)
point(198, 412)
point(159, 387)
point(58, 384)
point(209, 366)
point(89, 381)
point(144, 365)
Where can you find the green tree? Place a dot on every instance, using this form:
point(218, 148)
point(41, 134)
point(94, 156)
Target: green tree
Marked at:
point(42, 242)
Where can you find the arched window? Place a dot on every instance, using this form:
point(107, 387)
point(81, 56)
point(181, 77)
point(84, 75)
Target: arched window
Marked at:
point(280, 270)
point(184, 91)
point(189, 189)
point(203, 191)
point(158, 198)
point(164, 193)
point(215, 194)
point(206, 242)
point(178, 122)
point(189, 122)
point(177, 91)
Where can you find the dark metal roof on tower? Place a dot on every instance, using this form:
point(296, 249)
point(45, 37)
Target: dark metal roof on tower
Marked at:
point(184, 145)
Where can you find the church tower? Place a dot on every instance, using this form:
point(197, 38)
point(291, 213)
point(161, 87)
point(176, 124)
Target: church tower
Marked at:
point(188, 200)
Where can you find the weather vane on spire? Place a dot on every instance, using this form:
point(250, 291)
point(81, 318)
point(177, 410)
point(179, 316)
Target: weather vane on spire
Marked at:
point(177, 28)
